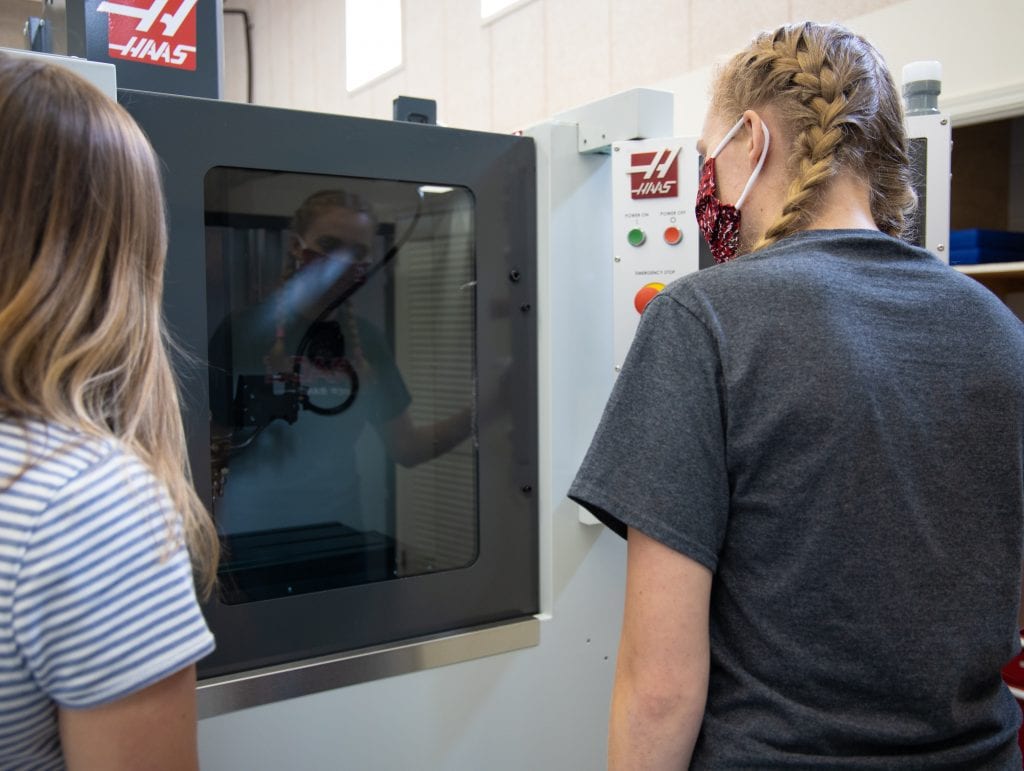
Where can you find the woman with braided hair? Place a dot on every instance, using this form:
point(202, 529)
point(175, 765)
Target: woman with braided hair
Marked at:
point(815, 449)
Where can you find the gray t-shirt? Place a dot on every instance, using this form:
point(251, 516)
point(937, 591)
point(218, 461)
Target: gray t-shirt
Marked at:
point(833, 425)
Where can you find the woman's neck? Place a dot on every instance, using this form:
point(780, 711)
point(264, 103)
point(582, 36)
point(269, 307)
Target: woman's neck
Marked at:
point(844, 205)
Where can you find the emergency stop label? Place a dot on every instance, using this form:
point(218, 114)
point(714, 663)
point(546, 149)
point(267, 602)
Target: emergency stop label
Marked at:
point(654, 175)
point(157, 32)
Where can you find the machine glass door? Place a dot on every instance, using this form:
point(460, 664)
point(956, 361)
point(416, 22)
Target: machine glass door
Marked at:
point(341, 320)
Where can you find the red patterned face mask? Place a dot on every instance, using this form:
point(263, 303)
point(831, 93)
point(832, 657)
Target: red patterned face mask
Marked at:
point(719, 222)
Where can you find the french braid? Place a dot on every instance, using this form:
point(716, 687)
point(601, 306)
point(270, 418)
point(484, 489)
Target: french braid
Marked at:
point(839, 104)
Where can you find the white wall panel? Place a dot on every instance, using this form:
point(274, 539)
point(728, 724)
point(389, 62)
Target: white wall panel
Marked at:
point(816, 10)
point(545, 56)
point(467, 98)
point(327, 37)
point(579, 67)
point(424, 50)
point(315, 64)
point(235, 74)
point(518, 81)
point(648, 40)
point(978, 44)
point(983, 75)
point(718, 29)
point(282, 53)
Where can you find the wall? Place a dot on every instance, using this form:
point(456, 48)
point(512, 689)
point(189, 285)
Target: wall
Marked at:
point(13, 15)
point(1015, 216)
point(977, 44)
point(540, 58)
point(981, 170)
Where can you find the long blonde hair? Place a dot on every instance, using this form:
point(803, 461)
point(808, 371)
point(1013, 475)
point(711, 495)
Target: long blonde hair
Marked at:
point(838, 102)
point(82, 246)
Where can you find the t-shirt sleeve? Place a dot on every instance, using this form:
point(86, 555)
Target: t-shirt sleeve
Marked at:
point(657, 462)
point(105, 603)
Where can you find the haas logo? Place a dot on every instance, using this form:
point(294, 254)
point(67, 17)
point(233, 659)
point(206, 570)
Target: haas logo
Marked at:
point(160, 32)
point(654, 175)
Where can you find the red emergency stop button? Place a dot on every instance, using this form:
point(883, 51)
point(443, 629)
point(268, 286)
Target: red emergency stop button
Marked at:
point(645, 295)
point(673, 235)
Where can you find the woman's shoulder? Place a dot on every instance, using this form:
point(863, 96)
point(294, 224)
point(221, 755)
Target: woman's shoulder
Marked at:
point(53, 457)
point(805, 256)
point(61, 486)
point(45, 441)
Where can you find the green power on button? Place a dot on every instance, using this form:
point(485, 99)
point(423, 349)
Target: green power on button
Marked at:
point(636, 237)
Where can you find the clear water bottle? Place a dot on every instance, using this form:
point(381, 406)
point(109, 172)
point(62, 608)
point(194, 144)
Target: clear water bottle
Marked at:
point(922, 84)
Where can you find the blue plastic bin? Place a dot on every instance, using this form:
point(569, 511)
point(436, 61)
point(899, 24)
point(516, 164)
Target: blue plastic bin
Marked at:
point(970, 247)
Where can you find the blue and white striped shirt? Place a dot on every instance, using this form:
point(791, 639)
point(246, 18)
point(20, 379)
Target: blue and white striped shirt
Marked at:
point(96, 602)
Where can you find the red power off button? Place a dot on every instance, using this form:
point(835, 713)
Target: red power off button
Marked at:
point(673, 236)
point(645, 295)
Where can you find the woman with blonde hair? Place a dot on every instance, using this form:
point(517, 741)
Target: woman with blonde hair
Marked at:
point(99, 623)
point(815, 449)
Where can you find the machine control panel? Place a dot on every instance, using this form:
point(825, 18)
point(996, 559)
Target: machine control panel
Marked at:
point(655, 236)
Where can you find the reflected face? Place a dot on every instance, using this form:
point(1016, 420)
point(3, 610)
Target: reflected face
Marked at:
point(330, 258)
point(337, 231)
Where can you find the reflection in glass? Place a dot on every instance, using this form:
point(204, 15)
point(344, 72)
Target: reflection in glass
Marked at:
point(918, 151)
point(342, 382)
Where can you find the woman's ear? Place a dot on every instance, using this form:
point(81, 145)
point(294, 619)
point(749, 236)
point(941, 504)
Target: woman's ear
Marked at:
point(756, 138)
point(295, 243)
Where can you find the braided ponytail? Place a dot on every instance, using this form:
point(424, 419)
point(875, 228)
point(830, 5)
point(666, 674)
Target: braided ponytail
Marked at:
point(839, 104)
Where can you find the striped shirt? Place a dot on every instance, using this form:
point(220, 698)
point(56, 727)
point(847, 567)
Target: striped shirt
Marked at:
point(96, 601)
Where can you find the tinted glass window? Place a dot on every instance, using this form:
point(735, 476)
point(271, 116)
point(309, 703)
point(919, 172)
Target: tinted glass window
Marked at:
point(918, 151)
point(342, 383)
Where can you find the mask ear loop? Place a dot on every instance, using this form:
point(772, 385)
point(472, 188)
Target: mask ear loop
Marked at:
point(727, 138)
point(760, 162)
point(757, 169)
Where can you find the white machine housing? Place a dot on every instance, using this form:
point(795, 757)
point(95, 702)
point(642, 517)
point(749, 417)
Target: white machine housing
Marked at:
point(655, 239)
point(100, 74)
point(936, 133)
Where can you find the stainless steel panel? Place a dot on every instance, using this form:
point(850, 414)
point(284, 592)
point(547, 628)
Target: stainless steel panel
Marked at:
point(229, 693)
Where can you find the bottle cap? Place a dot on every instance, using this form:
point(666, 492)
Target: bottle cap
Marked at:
point(918, 71)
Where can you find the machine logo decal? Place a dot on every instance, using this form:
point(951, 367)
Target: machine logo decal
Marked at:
point(654, 175)
point(159, 32)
